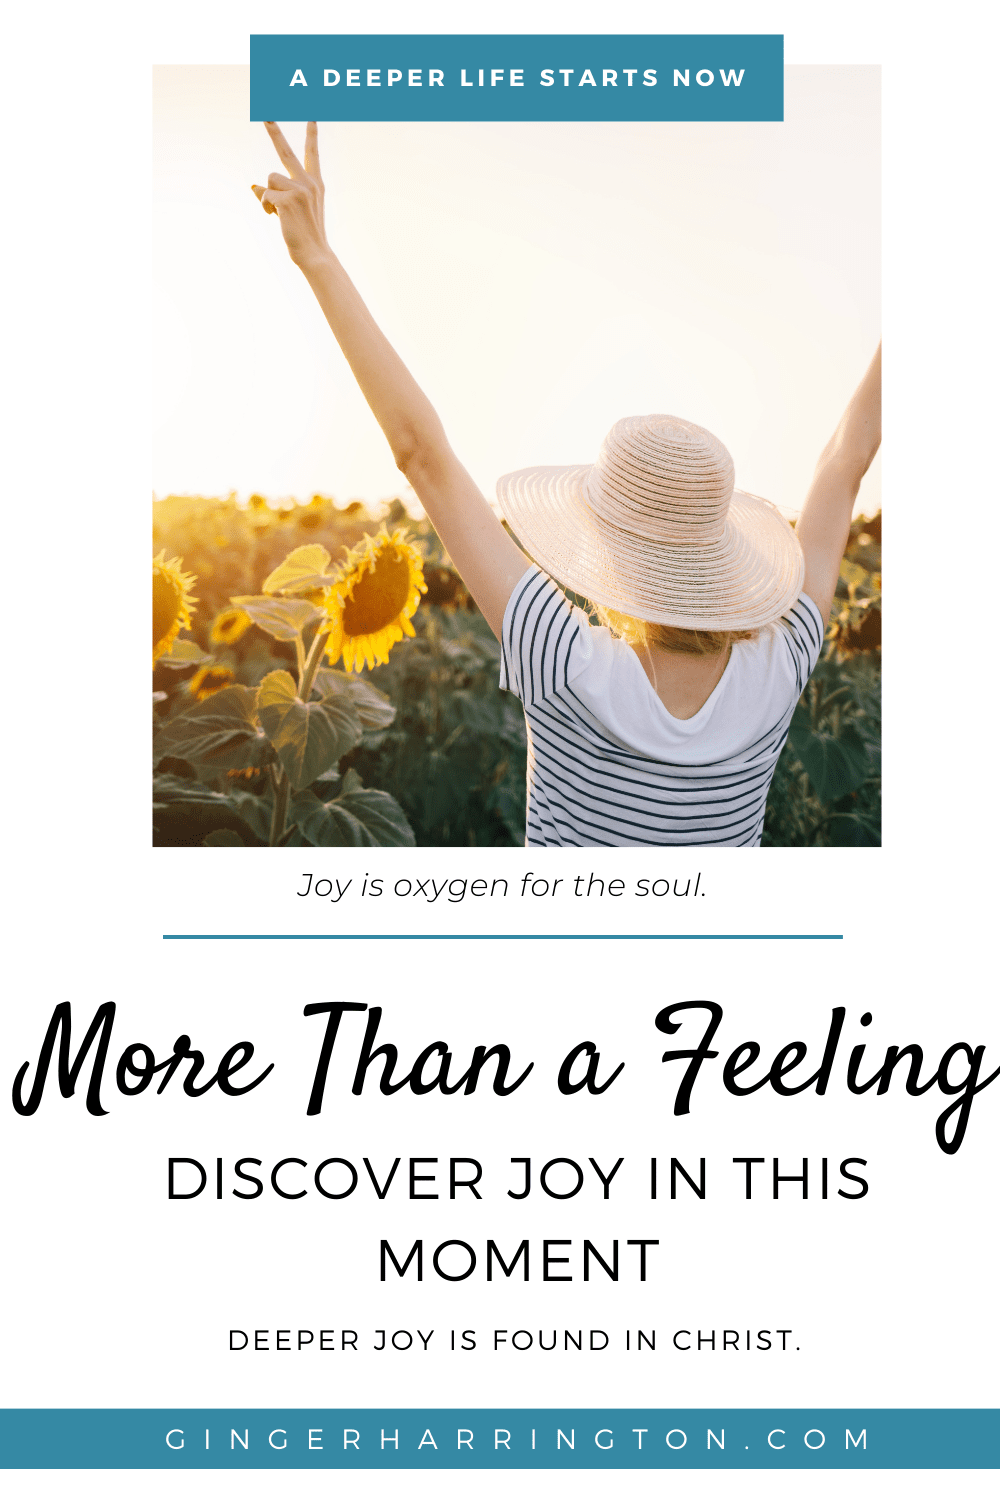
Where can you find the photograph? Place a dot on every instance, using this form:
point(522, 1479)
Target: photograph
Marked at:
point(515, 483)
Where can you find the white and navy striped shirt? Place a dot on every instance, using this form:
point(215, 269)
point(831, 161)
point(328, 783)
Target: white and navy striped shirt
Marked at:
point(608, 764)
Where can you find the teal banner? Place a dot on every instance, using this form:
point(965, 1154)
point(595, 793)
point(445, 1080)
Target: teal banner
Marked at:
point(504, 1438)
point(516, 77)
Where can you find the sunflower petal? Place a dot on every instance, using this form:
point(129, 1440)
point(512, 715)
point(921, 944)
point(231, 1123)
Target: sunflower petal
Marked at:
point(370, 605)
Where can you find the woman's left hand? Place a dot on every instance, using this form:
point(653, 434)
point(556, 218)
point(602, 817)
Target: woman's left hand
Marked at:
point(298, 198)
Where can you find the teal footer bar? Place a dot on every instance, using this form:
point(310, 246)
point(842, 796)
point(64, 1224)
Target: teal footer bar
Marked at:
point(499, 1438)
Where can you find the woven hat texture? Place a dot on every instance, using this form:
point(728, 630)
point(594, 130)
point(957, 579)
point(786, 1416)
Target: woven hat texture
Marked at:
point(655, 529)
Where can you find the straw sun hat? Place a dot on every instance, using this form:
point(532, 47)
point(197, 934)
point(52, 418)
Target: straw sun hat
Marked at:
point(654, 529)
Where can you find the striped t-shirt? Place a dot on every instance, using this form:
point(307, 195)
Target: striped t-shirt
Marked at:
point(608, 764)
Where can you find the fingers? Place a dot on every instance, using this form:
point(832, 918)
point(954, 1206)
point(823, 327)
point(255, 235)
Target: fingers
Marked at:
point(263, 196)
point(289, 160)
point(277, 186)
point(276, 183)
point(312, 149)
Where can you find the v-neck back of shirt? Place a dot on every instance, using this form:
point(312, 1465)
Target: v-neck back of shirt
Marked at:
point(607, 761)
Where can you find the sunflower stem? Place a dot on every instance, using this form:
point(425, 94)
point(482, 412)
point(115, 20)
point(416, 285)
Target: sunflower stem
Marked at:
point(280, 812)
point(307, 676)
point(308, 673)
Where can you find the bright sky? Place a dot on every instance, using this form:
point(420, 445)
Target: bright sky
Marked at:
point(539, 280)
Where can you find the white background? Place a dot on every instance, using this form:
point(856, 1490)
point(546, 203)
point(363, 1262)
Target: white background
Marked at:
point(891, 1294)
point(884, 1293)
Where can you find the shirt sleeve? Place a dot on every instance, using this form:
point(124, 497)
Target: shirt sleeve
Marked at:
point(545, 641)
point(803, 631)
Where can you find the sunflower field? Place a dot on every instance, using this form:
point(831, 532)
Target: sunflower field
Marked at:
point(321, 677)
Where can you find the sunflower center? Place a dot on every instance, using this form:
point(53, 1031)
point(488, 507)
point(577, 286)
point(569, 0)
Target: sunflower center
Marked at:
point(378, 597)
point(166, 601)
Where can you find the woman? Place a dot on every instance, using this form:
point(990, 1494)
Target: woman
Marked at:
point(664, 724)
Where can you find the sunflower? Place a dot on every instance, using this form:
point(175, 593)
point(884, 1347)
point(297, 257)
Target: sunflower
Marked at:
point(171, 602)
point(370, 607)
point(229, 625)
point(446, 589)
point(311, 516)
point(209, 680)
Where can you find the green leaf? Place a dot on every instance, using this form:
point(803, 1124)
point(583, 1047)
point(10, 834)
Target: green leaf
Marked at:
point(305, 568)
point(221, 732)
point(293, 838)
point(224, 838)
point(168, 789)
point(254, 811)
point(285, 619)
point(508, 800)
point(853, 831)
point(357, 817)
point(465, 655)
point(835, 766)
point(186, 812)
point(308, 737)
point(374, 709)
point(852, 573)
point(185, 653)
point(478, 712)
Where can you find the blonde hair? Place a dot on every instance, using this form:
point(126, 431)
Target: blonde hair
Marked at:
point(645, 633)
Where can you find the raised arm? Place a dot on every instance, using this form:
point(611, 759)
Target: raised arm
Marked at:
point(489, 562)
point(825, 522)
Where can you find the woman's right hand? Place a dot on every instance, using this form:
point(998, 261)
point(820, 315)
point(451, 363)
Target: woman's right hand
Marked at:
point(298, 198)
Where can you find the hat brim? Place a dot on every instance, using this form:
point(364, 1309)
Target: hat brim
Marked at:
point(746, 579)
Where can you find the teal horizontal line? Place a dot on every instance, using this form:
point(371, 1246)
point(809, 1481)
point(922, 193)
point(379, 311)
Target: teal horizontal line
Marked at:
point(505, 937)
